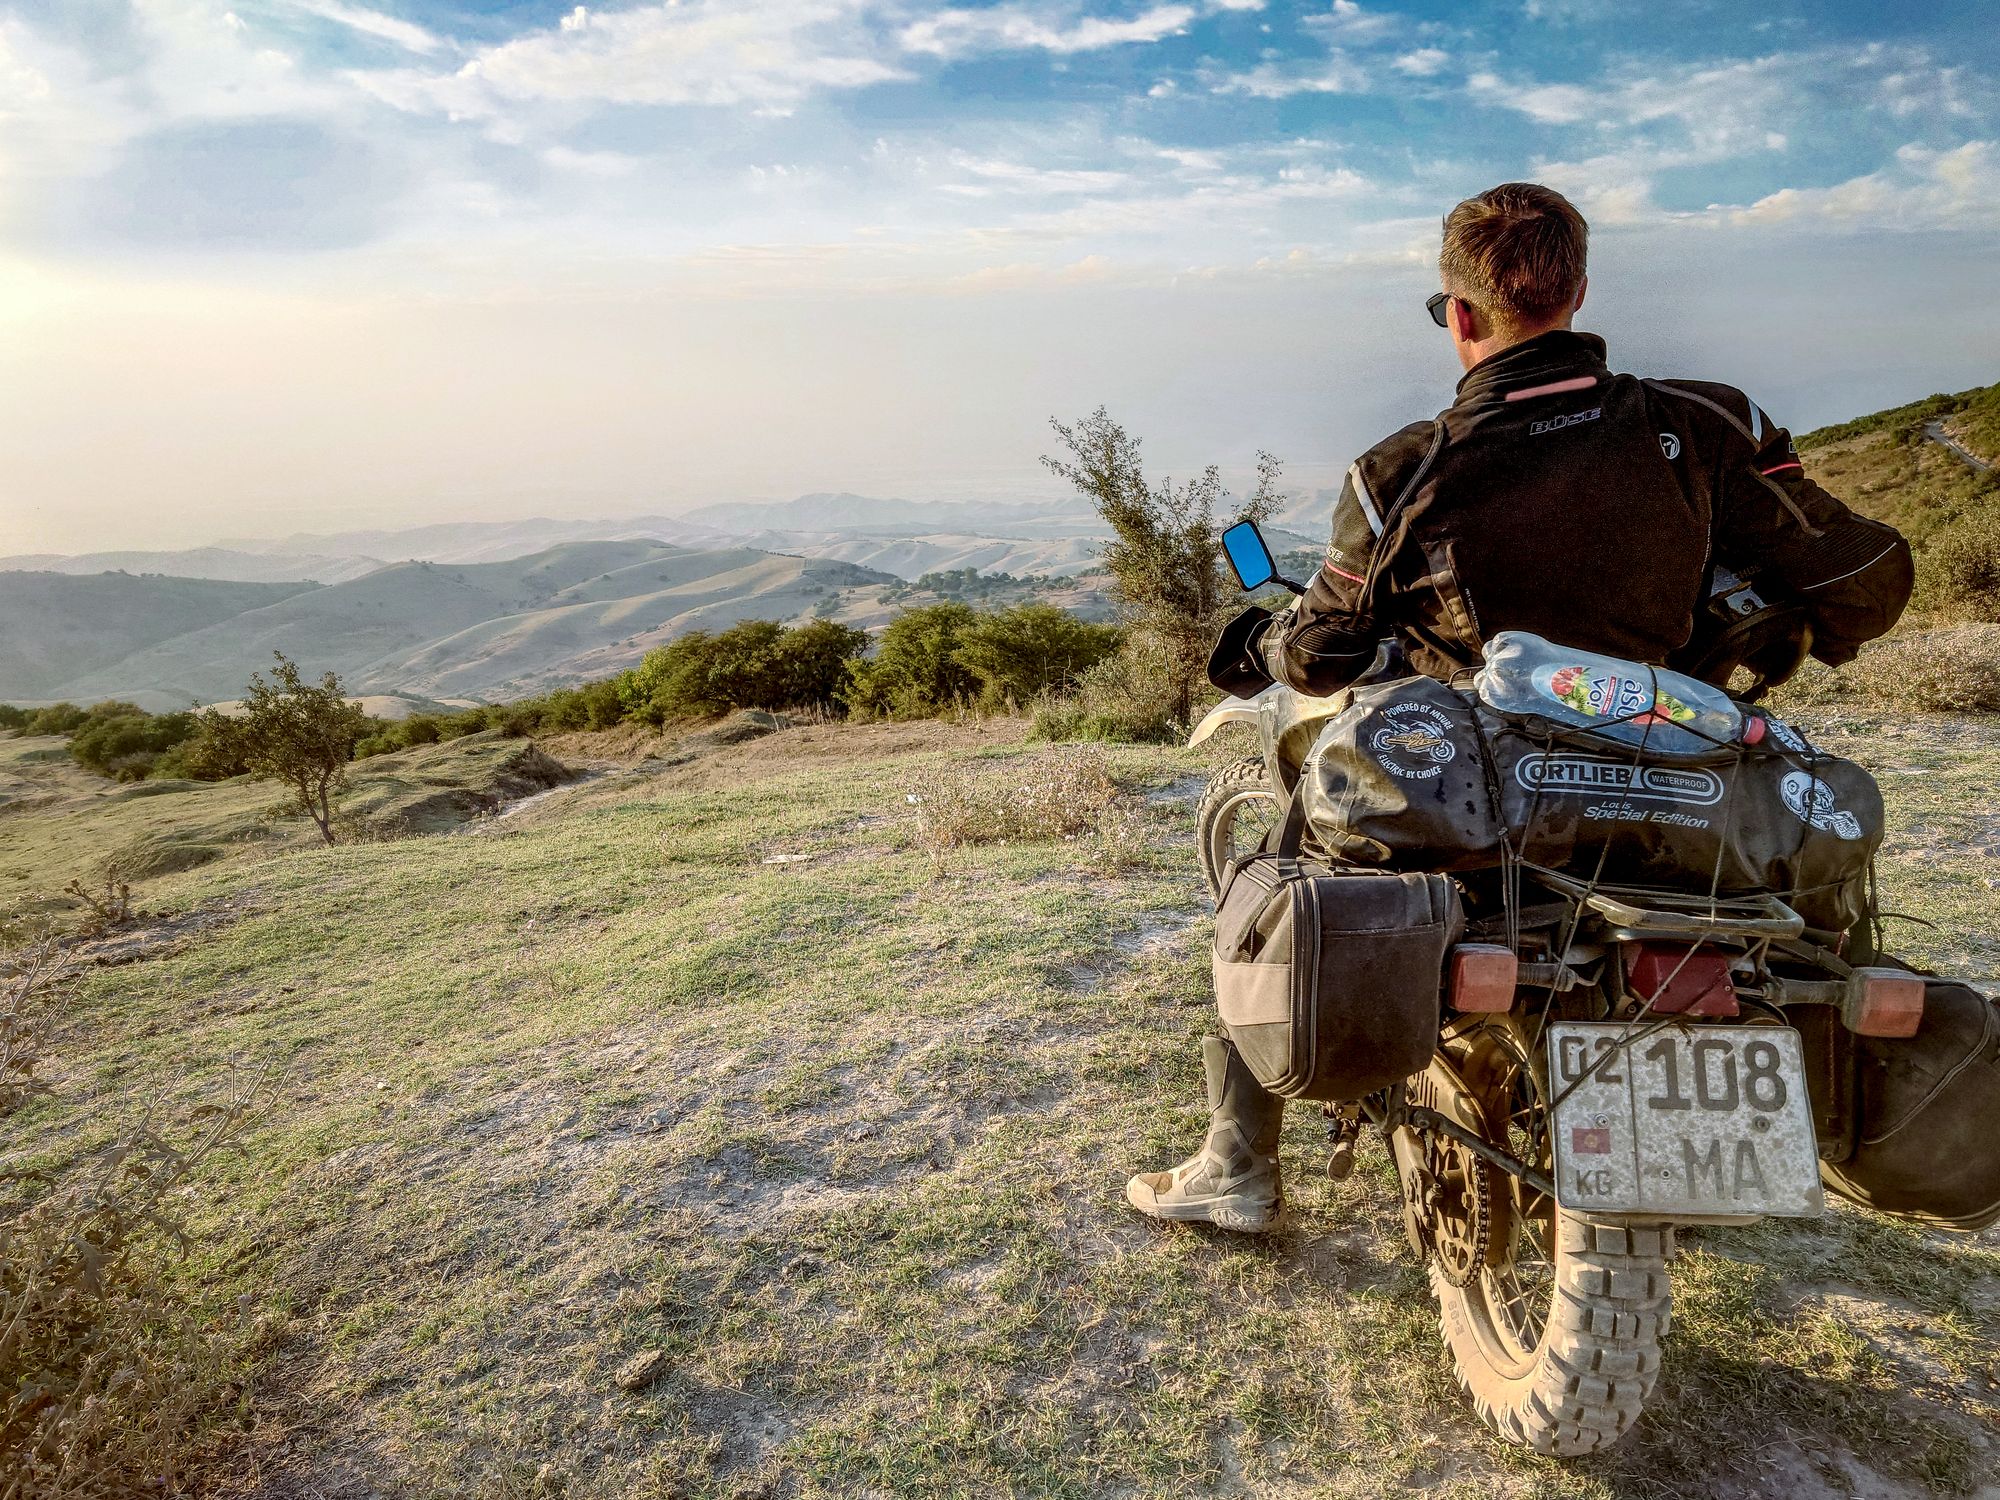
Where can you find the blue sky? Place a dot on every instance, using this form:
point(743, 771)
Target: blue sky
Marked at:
point(269, 264)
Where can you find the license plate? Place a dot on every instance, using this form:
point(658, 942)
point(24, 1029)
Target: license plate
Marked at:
point(1689, 1120)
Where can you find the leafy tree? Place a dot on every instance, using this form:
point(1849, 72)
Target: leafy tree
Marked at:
point(12, 717)
point(1022, 653)
point(1165, 557)
point(915, 671)
point(814, 664)
point(298, 735)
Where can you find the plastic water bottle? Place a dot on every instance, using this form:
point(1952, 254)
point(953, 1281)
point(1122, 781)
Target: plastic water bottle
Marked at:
point(1621, 700)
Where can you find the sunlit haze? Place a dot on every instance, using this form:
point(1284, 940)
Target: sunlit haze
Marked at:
point(304, 265)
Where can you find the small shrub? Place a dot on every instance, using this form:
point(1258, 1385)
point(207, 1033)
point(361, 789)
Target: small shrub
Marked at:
point(57, 718)
point(12, 717)
point(1059, 794)
point(1127, 698)
point(1121, 837)
point(1958, 570)
point(107, 901)
point(124, 741)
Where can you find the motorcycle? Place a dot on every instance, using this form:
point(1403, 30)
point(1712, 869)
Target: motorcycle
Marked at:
point(1549, 1252)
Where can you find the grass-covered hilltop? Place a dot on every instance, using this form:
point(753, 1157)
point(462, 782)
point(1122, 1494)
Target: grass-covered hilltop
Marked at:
point(716, 1076)
point(1929, 469)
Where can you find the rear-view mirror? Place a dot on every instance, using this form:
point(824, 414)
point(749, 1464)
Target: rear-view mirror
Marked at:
point(1249, 559)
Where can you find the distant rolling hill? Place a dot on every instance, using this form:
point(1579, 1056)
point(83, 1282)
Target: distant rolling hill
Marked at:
point(56, 628)
point(485, 541)
point(476, 630)
point(868, 514)
point(941, 552)
point(906, 537)
point(226, 563)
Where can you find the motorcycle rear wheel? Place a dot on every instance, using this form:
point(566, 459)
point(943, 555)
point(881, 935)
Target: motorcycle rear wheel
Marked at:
point(1556, 1338)
point(1237, 809)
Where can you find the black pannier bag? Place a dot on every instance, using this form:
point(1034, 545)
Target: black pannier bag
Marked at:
point(1331, 985)
point(1910, 1126)
point(1420, 775)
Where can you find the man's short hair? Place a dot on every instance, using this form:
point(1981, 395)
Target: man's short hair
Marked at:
point(1516, 251)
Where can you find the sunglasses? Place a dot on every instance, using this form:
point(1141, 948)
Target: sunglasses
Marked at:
point(1435, 304)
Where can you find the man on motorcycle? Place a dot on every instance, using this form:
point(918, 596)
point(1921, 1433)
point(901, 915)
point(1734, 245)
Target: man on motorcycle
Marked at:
point(1552, 496)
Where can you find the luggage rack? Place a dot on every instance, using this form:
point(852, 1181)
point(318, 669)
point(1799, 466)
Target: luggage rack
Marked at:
point(1635, 914)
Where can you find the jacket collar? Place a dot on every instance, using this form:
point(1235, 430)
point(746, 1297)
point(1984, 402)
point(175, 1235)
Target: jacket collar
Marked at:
point(1542, 360)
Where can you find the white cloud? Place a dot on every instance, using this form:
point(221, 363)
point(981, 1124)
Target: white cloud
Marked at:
point(591, 163)
point(998, 176)
point(405, 34)
point(1925, 189)
point(1015, 28)
point(1351, 23)
point(1335, 74)
point(1548, 103)
point(1425, 62)
point(771, 55)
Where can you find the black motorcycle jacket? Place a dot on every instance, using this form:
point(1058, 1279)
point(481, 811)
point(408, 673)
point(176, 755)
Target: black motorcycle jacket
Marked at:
point(1587, 507)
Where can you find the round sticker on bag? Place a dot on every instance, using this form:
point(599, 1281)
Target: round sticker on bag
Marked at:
point(1811, 801)
point(1414, 742)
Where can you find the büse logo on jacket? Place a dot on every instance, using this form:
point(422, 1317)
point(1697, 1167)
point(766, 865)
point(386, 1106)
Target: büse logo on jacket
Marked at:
point(1569, 419)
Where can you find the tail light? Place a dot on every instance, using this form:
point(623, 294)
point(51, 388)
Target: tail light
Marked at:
point(1678, 982)
point(1482, 977)
point(1883, 1002)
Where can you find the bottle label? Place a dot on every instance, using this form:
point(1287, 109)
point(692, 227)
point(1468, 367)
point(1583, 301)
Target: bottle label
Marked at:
point(1598, 694)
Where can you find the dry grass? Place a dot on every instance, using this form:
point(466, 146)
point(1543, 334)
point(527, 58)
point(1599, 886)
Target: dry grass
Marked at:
point(1945, 669)
point(1059, 794)
point(26, 977)
point(109, 1377)
point(622, 1164)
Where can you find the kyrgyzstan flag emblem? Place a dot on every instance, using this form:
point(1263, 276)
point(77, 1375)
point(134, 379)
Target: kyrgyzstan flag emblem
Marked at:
point(1592, 1141)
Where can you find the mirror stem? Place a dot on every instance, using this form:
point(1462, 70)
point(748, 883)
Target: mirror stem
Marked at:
point(1283, 581)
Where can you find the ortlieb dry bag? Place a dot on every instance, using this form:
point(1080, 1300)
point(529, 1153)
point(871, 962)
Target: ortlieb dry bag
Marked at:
point(1330, 983)
point(1421, 775)
point(1924, 1142)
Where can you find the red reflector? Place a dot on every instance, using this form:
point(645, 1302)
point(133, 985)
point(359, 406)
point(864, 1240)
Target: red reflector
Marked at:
point(1482, 977)
point(1884, 1002)
point(1679, 983)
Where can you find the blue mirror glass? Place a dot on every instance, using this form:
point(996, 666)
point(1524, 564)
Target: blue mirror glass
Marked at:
point(1249, 558)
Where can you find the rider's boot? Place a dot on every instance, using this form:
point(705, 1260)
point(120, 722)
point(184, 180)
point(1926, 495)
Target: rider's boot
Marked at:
point(1232, 1181)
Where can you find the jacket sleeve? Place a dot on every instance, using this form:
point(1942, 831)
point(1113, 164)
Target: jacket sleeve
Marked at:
point(1853, 573)
point(1330, 635)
